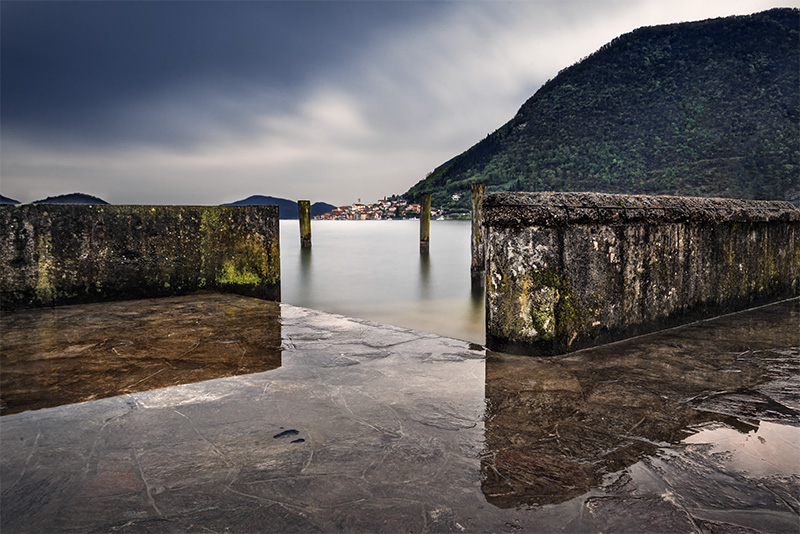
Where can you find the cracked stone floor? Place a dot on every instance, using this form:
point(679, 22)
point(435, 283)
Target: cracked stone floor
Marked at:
point(220, 413)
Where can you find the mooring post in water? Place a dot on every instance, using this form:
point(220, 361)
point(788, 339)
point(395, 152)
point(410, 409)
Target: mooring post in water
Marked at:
point(478, 246)
point(425, 224)
point(304, 210)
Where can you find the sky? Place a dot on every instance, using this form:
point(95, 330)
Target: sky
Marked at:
point(208, 102)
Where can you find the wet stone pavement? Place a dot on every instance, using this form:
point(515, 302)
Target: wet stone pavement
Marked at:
point(293, 420)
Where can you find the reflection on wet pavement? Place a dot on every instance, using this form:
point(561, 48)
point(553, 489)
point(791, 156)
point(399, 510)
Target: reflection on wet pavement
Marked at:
point(555, 427)
point(769, 449)
point(74, 354)
point(372, 428)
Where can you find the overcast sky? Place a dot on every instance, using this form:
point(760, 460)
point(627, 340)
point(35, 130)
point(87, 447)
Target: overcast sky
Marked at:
point(203, 102)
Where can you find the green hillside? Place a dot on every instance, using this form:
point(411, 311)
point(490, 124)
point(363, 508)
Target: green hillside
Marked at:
point(707, 108)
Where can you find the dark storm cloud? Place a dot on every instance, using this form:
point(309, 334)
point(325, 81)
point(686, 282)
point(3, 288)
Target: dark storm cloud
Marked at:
point(209, 102)
point(71, 68)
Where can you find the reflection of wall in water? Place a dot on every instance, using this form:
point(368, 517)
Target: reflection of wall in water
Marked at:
point(70, 354)
point(555, 427)
point(525, 461)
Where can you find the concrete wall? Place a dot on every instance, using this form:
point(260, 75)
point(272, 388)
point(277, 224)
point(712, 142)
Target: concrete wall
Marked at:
point(571, 270)
point(63, 254)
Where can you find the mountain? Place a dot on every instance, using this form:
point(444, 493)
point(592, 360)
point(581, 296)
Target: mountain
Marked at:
point(71, 198)
point(287, 209)
point(6, 200)
point(708, 108)
point(319, 208)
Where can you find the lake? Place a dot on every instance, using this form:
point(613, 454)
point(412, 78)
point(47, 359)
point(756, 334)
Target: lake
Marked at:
point(373, 270)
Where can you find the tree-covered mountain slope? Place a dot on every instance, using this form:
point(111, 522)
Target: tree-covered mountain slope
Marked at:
point(708, 108)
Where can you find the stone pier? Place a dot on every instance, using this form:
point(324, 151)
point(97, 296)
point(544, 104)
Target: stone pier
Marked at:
point(572, 270)
point(66, 254)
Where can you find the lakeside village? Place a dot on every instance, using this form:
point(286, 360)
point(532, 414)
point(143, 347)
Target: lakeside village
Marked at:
point(381, 210)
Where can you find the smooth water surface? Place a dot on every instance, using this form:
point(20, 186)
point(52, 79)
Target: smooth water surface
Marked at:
point(373, 270)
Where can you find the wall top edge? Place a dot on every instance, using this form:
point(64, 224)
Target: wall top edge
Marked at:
point(523, 209)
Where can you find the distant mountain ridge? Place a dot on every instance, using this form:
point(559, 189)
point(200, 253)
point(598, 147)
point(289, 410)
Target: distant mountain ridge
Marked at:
point(287, 209)
point(708, 108)
point(72, 198)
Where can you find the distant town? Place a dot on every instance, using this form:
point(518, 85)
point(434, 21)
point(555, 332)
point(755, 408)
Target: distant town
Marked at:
point(383, 209)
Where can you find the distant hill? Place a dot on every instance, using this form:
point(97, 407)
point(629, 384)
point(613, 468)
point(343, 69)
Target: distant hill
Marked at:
point(287, 209)
point(72, 198)
point(707, 108)
point(6, 200)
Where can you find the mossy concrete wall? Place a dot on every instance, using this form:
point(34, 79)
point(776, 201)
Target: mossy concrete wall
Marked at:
point(571, 270)
point(64, 254)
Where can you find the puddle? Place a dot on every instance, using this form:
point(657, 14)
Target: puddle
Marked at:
point(771, 449)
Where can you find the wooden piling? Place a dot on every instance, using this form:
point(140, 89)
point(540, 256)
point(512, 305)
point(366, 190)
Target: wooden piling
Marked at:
point(425, 224)
point(478, 245)
point(304, 211)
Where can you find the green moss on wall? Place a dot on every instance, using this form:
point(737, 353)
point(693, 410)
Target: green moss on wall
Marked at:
point(44, 285)
point(570, 316)
point(544, 308)
point(251, 263)
point(234, 274)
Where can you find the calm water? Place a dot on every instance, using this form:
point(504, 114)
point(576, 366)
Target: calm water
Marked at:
point(373, 270)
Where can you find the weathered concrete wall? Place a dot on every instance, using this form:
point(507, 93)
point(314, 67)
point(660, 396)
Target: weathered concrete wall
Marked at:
point(62, 254)
point(571, 270)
